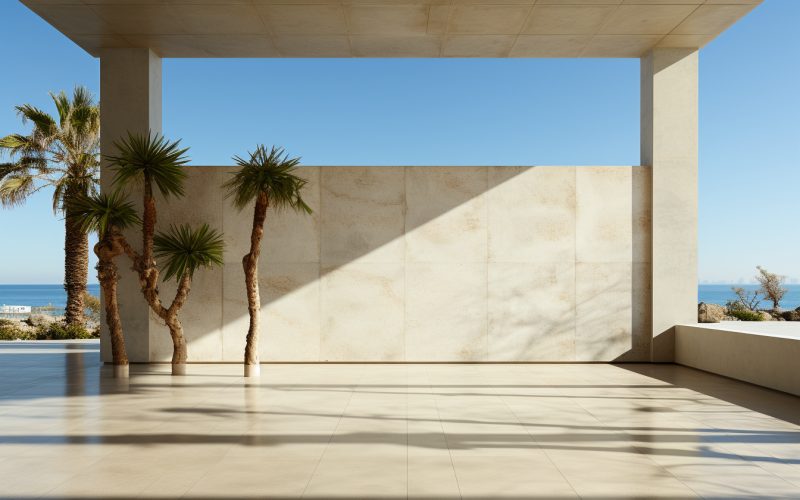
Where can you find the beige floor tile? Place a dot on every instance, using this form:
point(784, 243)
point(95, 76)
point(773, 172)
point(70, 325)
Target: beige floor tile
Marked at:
point(394, 431)
point(533, 476)
point(277, 477)
point(432, 477)
point(359, 477)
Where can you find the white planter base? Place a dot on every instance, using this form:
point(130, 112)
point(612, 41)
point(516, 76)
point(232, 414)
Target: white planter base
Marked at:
point(252, 370)
point(121, 371)
point(179, 369)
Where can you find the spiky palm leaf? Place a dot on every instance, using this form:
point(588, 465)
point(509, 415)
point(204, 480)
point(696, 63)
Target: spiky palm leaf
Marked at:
point(102, 212)
point(146, 158)
point(269, 171)
point(185, 250)
point(63, 153)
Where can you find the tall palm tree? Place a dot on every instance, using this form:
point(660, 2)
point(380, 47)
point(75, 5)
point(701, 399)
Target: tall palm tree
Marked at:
point(142, 162)
point(108, 215)
point(266, 178)
point(64, 154)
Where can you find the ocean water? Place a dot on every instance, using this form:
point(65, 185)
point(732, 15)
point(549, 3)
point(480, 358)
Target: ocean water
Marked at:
point(38, 295)
point(720, 294)
point(42, 295)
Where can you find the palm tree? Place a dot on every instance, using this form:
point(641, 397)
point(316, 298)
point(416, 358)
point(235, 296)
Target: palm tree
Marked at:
point(184, 251)
point(266, 178)
point(108, 215)
point(142, 162)
point(64, 154)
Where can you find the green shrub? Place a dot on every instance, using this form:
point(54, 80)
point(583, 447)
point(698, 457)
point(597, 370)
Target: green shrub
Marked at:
point(58, 331)
point(7, 333)
point(5, 323)
point(746, 315)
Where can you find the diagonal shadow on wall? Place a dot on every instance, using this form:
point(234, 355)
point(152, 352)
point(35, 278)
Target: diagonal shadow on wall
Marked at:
point(430, 264)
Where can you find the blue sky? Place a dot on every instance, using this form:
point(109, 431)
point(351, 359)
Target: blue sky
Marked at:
point(457, 112)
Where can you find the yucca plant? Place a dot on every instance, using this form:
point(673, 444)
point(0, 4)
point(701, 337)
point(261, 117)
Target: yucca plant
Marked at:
point(267, 178)
point(184, 251)
point(108, 215)
point(62, 153)
point(145, 162)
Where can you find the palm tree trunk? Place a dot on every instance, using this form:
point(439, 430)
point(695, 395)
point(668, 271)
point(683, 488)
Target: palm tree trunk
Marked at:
point(76, 270)
point(108, 275)
point(250, 264)
point(179, 351)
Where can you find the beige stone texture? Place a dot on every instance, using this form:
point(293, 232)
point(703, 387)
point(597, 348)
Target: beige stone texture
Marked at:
point(549, 45)
point(290, 311)
point(542, 231)
point(604, 214)
point(477, 45)
point(645, 19)
point(604, 310)
point(710, 19)
point(768, 358)
point(130, 81)
point(303, 19)
point(362, 215)
point(387, 19)
point(532, 311)
point(669, 133)
point(220, 19)
point(312, 45)
point(361, 312)
point(566, 20)
point(201, 316)
point(382, 28)
point(486, 19)
point(451, 264)
point(446, 219)
point(398, 46)
point(237, 45)
point(446, 312)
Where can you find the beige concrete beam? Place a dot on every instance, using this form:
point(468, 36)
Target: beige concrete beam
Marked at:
point(130, 91)
point(669, 111)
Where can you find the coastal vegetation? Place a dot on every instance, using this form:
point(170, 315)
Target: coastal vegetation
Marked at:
point(745, 307)
point(62, 153)
point(145, 163)
point(265, 178)
point(56, 330)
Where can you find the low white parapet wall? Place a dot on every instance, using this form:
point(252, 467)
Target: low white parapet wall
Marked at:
point(767, 354)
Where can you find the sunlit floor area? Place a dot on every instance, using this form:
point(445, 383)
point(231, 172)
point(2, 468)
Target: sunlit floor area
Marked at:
point(554, 431)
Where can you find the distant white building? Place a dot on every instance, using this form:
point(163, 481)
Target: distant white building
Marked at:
point(15, 309)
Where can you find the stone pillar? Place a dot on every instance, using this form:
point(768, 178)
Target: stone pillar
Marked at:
point(130, 94)
point(669, 110)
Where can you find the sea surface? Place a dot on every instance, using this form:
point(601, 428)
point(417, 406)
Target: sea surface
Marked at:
point(719, 294)
point(42, 295)
point(38, 295)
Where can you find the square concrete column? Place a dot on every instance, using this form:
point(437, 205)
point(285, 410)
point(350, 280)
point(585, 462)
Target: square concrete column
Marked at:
point(130, 93)
point(669, 110)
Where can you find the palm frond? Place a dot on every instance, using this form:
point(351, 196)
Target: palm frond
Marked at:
point(145, 157)
point(43, 122)
point(269, 171)
point(101, 213)
point(62, 105)
point(72, 187)
point(82, 98)
point(185, 250)
point(15, 189)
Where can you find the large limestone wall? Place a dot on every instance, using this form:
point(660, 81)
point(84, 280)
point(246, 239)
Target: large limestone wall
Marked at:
point(430, 264)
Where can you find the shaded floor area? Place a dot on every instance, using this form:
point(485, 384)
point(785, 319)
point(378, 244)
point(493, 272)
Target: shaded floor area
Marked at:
point(557, 431)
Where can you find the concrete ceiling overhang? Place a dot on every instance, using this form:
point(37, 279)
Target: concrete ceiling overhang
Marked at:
point(391, 28)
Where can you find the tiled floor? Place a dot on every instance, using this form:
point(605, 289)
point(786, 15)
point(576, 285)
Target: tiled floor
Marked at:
point(67, 430)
